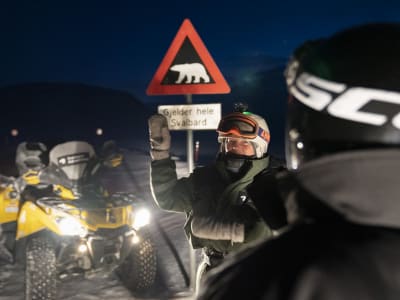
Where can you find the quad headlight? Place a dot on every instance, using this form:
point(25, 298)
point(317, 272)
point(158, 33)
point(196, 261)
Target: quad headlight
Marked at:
point(141, 218)
point(70, 226)
point(60, 211)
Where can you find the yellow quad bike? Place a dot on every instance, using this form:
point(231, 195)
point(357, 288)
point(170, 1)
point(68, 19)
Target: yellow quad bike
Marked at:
point(70, 226)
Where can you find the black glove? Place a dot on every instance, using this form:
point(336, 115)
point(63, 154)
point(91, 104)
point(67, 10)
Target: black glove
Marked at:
point(160, 138)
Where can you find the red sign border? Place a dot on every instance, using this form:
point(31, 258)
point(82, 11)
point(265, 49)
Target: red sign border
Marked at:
point(220, 86)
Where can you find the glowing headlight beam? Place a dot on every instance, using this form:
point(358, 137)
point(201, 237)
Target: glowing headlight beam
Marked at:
point(71, 226)
point(141, 218)
point(135, 239)
point(82, 248)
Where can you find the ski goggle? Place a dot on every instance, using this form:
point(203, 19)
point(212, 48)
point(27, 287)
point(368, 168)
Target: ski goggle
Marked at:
point(240, 125)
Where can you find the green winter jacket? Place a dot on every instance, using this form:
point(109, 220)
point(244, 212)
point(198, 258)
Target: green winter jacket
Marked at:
point(209, 192)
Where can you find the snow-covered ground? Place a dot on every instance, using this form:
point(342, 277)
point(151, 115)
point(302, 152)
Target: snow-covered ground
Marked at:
point(173, 282)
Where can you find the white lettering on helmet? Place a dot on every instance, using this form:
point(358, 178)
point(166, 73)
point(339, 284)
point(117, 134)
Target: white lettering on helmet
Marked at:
point(314, 91)
point(348, 105)
point(319, 94)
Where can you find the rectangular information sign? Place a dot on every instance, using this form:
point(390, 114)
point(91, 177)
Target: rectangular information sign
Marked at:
point(192, 116)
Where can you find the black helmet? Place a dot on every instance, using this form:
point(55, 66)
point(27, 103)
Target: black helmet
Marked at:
point(344, 93)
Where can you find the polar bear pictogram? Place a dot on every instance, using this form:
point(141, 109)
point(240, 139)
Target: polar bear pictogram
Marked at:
point(190, 71)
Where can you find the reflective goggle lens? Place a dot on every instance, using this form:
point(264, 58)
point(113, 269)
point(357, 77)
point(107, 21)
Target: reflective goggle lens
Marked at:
point(243, 126)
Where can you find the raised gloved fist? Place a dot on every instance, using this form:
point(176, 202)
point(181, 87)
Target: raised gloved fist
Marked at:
point(160, 138)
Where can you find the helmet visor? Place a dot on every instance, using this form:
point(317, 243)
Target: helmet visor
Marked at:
point(237, 146)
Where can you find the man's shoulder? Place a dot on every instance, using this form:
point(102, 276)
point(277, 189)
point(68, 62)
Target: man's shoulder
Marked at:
point(206, 170)
point(259, 268)
point(275, 165)
point(271, 267)
point(276, 162)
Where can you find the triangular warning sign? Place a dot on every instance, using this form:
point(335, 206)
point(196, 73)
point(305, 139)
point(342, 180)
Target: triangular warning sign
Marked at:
point(187, 67)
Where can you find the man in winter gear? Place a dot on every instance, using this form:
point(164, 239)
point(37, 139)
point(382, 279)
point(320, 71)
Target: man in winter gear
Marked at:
point(217, 199)
point(30, 156)
point(342, 191)
point(29, 160)
point(5, 255)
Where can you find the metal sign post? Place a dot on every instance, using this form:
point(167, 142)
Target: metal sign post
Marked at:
point(189, 153)
point(189, 141)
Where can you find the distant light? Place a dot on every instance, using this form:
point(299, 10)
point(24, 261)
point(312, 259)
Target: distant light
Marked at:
point(14, 132)
point(99, 131)
point(300, 145)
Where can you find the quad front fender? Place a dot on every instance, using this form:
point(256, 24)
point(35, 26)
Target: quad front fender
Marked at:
point(33, 219)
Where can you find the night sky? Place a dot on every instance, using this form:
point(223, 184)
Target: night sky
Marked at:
point(120, 44)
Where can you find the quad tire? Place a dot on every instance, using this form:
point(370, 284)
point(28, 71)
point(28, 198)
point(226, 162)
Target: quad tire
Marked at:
point(40, 270)
point(138, 271)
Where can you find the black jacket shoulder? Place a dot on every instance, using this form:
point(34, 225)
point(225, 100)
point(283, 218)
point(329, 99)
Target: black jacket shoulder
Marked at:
point(313, 261)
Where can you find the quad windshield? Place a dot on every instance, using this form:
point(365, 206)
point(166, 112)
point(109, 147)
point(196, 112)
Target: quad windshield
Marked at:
point(73, 158)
